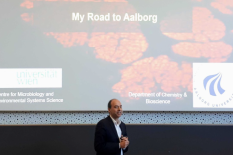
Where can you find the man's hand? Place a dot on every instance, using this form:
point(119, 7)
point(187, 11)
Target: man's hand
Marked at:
point(124, 142)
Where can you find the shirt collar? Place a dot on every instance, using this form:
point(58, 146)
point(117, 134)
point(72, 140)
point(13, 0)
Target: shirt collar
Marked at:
point(115, 122)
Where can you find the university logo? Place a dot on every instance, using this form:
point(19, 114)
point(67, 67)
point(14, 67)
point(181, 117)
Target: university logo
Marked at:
point(212, 85)
point(213, 79)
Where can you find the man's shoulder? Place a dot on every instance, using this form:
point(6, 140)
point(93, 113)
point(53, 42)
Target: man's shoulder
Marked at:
point(107, 120)
point(104, 120)
point(122, 123)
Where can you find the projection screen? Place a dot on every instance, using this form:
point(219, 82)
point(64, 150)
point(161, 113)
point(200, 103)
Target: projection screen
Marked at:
point(152, 55)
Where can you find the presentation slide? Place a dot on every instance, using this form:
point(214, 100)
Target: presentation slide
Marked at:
point(152, 55)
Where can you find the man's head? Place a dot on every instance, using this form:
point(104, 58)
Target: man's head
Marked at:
point(115, 108)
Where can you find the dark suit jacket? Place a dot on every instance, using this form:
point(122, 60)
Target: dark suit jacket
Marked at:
point(106, 138)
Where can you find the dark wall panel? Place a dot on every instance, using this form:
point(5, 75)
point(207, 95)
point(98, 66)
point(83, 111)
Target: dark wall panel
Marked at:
point(144, 140)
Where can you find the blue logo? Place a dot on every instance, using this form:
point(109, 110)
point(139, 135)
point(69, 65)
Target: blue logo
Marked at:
point(215, 77)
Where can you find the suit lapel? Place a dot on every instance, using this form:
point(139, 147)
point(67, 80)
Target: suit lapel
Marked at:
point(113, 127)
point(122, 132)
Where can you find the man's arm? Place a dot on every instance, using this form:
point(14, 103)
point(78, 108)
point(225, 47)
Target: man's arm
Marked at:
point(100, 143)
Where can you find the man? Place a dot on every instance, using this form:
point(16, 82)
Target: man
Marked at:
point(110, 133)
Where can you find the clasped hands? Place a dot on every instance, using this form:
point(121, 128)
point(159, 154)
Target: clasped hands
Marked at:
point(124, 142)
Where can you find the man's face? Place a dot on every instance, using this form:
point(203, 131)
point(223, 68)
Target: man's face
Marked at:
point(116, 109)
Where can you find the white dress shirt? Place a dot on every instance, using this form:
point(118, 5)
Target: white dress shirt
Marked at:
point(118, 129)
